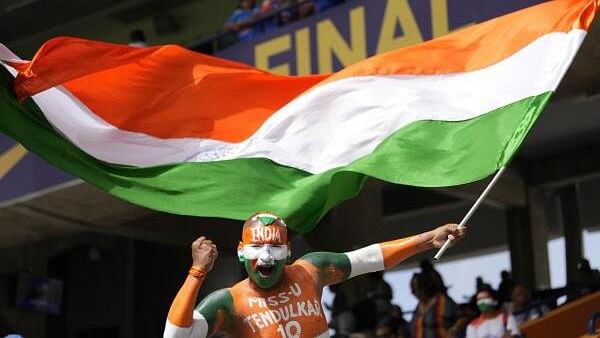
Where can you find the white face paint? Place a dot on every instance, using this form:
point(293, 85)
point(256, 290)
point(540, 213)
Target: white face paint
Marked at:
point(265, 253)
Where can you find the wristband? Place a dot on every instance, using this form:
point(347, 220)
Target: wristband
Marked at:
point(197, 272)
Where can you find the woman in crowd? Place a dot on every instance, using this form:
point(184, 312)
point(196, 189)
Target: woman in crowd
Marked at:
point(435, 313)
point(493, 322)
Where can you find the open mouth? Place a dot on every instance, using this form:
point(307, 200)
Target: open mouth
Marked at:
point(265, 270)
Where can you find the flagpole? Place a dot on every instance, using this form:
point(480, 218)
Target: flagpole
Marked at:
point(462, 223)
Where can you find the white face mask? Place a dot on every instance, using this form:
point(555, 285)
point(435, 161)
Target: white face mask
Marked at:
point(265, 252)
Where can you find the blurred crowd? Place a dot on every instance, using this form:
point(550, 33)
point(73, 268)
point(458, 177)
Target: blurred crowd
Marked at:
point(362, 306)
point(252, 18)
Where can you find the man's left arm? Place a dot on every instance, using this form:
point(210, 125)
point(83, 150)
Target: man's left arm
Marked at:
point(334, 268)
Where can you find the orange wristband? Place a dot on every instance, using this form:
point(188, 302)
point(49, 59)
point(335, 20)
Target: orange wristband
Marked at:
point(197, 272)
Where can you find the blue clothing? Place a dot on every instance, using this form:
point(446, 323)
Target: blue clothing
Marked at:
point(272, 23)
point(321, 5)
point(283, 18)
point(241, 15)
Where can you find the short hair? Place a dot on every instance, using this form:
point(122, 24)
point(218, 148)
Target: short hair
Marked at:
point(425, 283)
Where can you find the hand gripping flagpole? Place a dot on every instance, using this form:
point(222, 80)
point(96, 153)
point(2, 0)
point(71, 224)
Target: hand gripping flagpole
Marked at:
point(444, 247)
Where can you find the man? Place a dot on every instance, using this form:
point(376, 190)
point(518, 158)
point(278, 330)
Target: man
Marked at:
point(522, 307)
point(242, 20)
point(279, 300)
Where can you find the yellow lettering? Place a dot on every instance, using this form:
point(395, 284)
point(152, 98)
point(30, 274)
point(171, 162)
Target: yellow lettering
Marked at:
point(439, 18)
point(330, 42)
point(398, 12)
point(303, 65)
point(264, 51)
point(11, 158)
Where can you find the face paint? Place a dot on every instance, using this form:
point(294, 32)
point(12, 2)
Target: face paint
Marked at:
point(264, 249)
point(254, 251)
point(265, 276)
point(486, 305)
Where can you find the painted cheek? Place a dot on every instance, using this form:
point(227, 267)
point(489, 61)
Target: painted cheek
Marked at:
point(250, 266)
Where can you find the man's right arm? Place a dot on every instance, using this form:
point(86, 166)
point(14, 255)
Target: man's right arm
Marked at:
point(213, 314)
point(185, 322)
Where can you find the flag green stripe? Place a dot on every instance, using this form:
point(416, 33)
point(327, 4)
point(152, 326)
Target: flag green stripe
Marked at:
point(425, 153)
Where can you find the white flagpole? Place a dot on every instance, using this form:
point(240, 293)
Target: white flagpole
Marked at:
point(444, 247)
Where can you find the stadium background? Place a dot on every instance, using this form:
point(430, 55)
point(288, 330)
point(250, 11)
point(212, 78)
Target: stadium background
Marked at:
point(120, 264)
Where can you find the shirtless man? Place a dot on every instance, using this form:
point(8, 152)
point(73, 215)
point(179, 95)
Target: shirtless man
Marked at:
point(279, 300)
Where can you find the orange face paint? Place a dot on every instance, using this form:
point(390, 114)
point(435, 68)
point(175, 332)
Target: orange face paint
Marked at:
point(264, 228)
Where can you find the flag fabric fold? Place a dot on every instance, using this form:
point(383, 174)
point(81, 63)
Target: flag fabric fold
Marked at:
point(191, 134)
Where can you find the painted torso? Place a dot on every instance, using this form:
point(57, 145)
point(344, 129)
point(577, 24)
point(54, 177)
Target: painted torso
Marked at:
point(292, 309)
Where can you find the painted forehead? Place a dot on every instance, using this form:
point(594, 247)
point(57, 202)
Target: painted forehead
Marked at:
point(265, 228)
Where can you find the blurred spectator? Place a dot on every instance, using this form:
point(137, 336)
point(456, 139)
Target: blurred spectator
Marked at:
point(492, 322)
point(586, 276)
point(250, 19)
point(366, 313)
point(435, 312)
point(289, 15)
point(284, 14)
point(465, 313)
point(241, 20)
point(386, 328)
point(402, 325)
point(342, 319)
point(267, 8)
point(522, 307)
point(306, 9)
point(438, 281)
point(137, 38)
point(321, 5)
point(380, 292)
point(505, 288)
point(584, 282)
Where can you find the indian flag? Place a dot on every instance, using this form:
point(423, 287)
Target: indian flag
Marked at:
point(186, 133)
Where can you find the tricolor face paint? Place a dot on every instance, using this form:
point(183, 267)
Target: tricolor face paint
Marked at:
point(264, 249)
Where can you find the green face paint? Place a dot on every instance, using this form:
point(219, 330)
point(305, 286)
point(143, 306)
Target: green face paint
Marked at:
point(267, 280)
